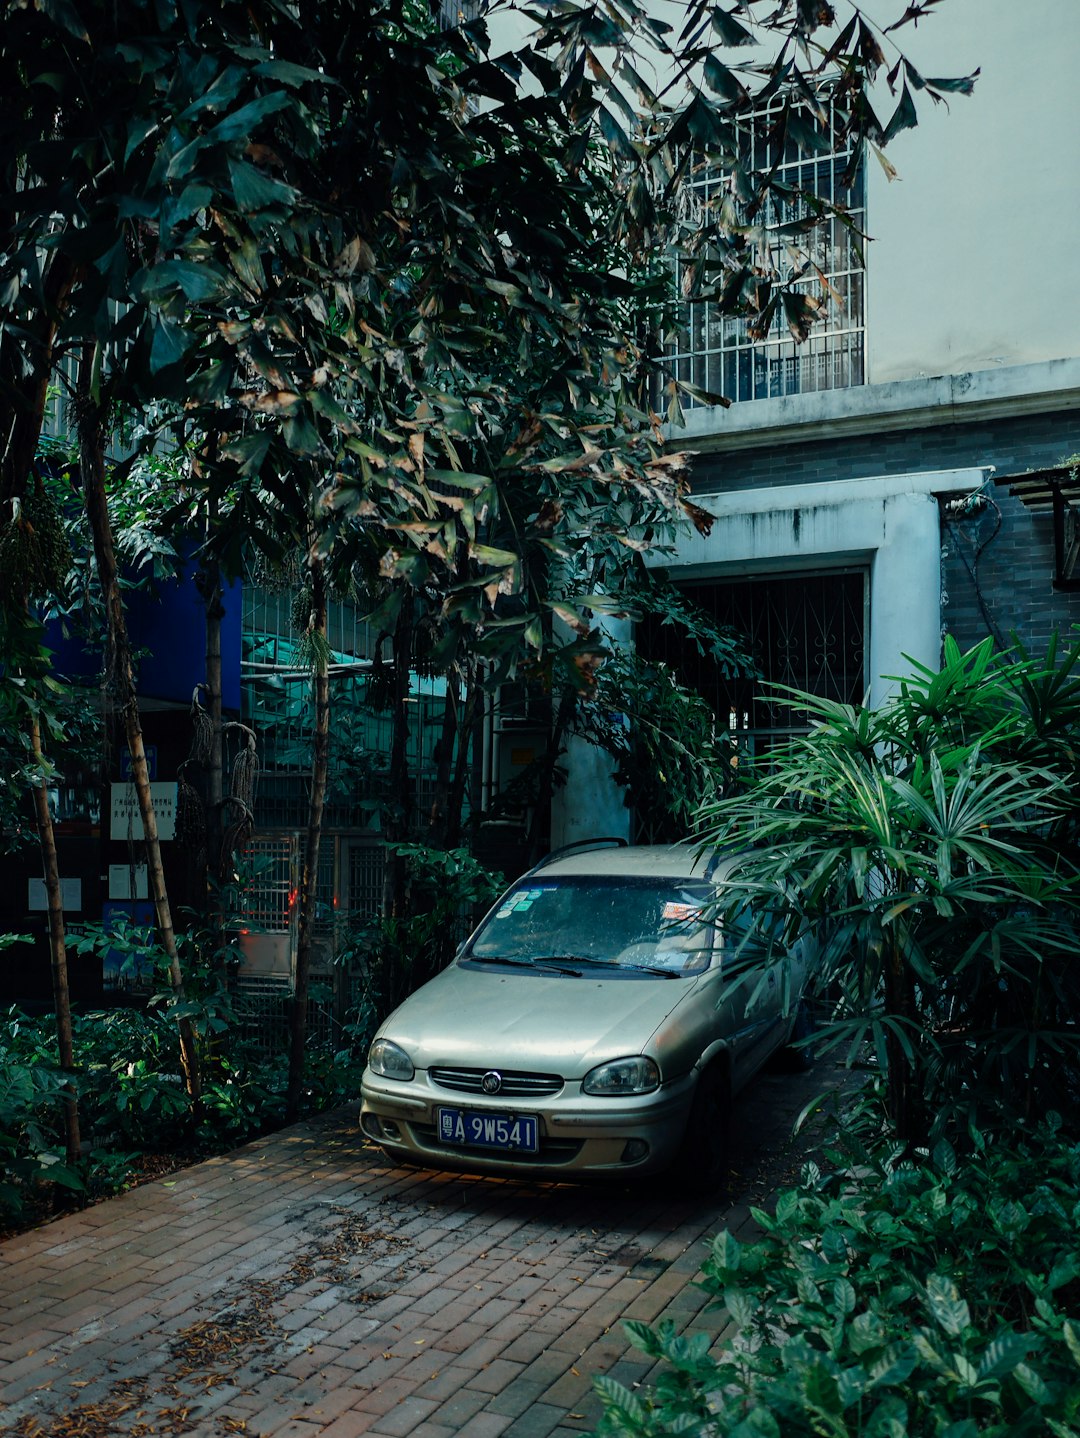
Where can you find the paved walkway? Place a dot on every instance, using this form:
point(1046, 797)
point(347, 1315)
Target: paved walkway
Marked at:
point(301, 1287)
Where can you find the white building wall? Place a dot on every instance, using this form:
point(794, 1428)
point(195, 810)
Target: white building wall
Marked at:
point(890, 524)
point(972, 262)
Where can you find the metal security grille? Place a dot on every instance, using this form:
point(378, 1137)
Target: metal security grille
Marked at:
point(715, 352)
point(804, 631)
point(453, 13)
point(367, 865)
point(270, 636)
point(276, 703)
point(326, 895)
point(268, 897)
point(261, 1005)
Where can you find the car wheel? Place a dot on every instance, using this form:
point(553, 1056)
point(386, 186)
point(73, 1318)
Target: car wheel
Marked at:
point(703, 1160)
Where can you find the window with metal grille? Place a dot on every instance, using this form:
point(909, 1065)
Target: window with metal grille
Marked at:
point(805, 631)
point(276, 703)
point(719, 353)
point(367, 865)
point(453, 13)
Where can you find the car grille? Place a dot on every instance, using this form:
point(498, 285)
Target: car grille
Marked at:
point(514, 1084)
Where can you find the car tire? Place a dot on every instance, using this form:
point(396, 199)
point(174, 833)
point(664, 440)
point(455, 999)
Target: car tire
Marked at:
point(705, 1155)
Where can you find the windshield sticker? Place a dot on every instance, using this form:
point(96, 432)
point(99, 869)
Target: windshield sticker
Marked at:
point(681, 913)
point(522, 901)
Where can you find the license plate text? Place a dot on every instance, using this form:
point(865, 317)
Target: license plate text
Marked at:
point(488, 1130)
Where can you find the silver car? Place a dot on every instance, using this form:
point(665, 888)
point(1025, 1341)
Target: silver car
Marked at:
point(596, 1023)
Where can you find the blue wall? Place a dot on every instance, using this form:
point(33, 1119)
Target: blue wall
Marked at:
point(169, 623)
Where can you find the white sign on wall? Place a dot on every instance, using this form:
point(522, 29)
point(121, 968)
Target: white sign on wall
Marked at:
point(70, 895)
point(127, 882)
point(126, 819)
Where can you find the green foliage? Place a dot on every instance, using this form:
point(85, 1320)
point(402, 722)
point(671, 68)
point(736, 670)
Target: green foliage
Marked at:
point(35, 556)
point(447, 890)
point(132, 1099)
point(662, 736)
point(887, 1299)
point(663, 739)
point(931, 847)
point(31, 1085)
point(361, 272)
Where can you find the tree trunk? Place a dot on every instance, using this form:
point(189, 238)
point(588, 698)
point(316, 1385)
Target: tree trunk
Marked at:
point(91, 430)
point(215, 612)
point(399, 817)
point(309, 875)
point(900, 1080)
point(57, 950)
point(438, 821)
point(465, 732)
point(210, 589)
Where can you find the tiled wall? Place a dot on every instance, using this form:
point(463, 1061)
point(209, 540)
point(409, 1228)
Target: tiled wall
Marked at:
point(1011, 588)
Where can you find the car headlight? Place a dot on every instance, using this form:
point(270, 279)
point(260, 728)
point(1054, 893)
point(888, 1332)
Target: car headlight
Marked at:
point(389, 1061)
point(622, 1076)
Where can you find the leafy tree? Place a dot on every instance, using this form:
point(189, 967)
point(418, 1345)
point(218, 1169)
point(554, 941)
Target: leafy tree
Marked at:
point(31, 707)
point(400, 291)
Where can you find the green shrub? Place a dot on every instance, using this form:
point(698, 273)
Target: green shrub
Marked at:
point(447, 889)
point(31, 1132)
point(887, 1299)
point(931, 845)
point(132, 1101)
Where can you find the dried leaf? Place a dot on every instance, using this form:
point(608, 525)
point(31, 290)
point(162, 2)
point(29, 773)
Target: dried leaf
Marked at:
point(700, 518)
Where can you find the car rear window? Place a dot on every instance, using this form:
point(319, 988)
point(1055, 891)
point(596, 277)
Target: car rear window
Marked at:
point(627, 923)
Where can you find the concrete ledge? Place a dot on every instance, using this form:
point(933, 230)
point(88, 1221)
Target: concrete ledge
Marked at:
point(867, 409)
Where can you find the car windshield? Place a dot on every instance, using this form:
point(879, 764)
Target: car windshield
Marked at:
point(647, 925)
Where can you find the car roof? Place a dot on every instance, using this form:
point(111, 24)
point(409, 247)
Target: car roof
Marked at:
point(633, 861)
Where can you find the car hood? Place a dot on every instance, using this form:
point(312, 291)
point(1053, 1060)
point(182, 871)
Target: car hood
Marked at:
point(550, 1024)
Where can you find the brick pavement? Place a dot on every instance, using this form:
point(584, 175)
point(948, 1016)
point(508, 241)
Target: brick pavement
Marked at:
point(302, 1287)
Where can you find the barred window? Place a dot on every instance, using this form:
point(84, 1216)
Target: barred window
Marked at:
point(453, 13)
point(720, 353)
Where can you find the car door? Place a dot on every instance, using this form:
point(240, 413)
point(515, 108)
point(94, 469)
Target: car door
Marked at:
point(754, 996)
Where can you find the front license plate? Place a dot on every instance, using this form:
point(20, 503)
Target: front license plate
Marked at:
point(470, 1129)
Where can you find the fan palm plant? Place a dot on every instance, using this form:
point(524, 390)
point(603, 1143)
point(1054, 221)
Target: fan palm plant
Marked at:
point(930, 845)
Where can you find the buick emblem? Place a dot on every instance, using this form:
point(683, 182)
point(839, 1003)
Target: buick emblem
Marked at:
point(491, 1082)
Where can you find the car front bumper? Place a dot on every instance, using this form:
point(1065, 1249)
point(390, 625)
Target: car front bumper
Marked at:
point(579, 1134)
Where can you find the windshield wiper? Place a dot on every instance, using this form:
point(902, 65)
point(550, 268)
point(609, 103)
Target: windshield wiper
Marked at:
point(568, 963)
point(571, 964)
point(501, 959)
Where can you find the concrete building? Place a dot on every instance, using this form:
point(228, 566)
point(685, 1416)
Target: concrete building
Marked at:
point(866, 484)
